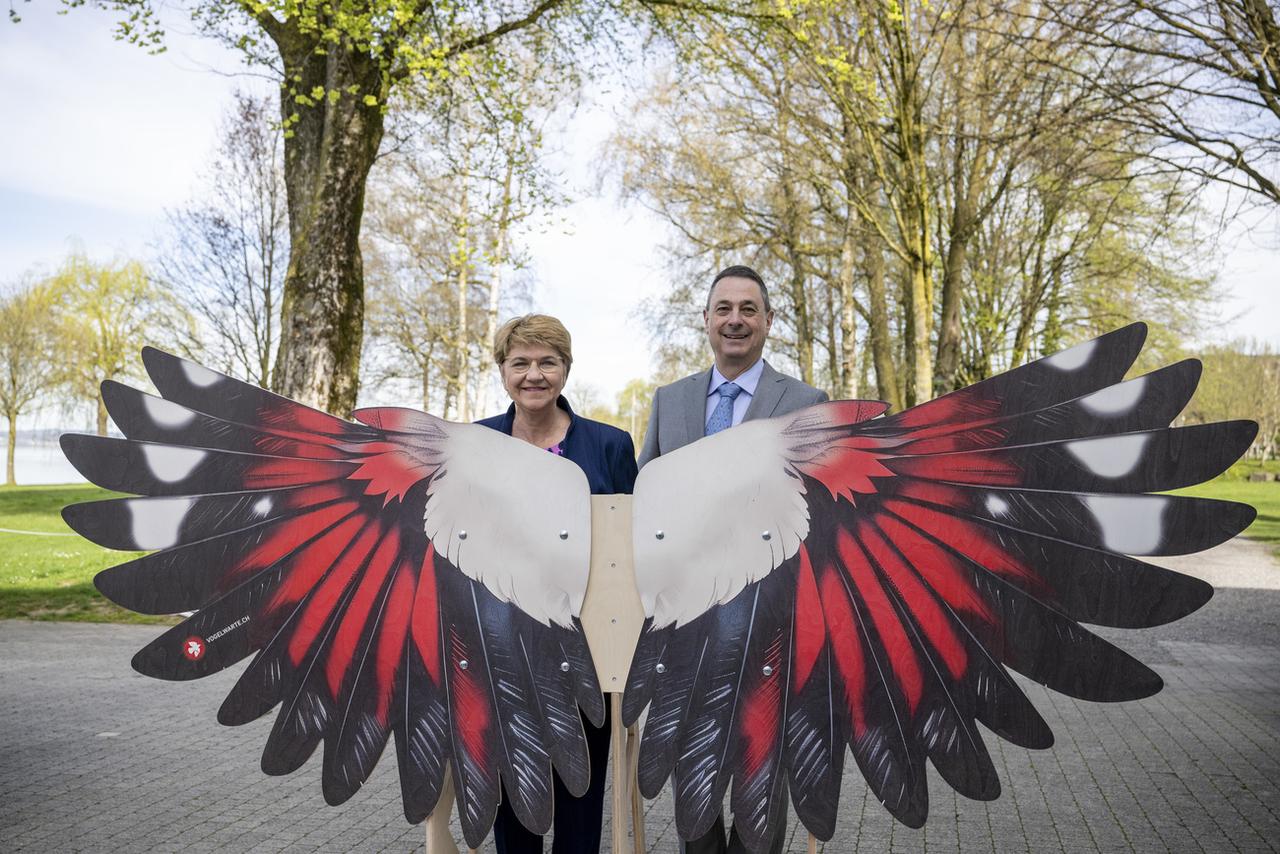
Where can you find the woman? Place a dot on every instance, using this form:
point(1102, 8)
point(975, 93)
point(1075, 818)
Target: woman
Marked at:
point(534, 354)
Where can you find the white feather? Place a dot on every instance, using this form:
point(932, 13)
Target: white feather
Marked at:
point(1110, 456)
point(1074, 358)
point(164, 413)
point(513, 500)
point(714, 501)
point(154, 522)
point(170, 463)
point(1117, 399)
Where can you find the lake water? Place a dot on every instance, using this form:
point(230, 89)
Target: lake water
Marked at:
point(42, 463)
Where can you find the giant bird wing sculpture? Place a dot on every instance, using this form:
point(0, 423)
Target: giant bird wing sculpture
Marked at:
point(833, 579)
point(812, 582)
point(376, 569)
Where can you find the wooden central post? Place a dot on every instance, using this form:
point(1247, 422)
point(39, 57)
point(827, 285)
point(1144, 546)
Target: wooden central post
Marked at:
point(612, 618)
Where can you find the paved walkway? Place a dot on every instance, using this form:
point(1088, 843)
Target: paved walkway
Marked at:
point(94, 757)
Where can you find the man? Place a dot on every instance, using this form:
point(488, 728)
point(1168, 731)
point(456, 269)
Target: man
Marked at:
point(740, 386)
point(737, 319)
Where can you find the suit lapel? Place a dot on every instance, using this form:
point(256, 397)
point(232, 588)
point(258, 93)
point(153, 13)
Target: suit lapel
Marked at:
point(768, 394)
point(694, 404)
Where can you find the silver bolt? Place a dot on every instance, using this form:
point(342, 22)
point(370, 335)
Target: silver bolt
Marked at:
point(564, 666)
point(661, 668)
point(564, 535)
point(462, 535)
point(658, 535)
point(766, 536)
point(768, 671)
point(463, 664)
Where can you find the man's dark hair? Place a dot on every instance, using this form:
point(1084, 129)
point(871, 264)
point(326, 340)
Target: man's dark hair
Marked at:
point(740, 271)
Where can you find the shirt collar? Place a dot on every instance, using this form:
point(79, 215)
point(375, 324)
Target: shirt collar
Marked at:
point(747, 380)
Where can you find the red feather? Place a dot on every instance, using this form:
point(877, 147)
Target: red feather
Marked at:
point(846, 645)
point(760, 715)
point(470, 705)
point(888, 625)
point(426, 616)
point(315, 561)
point(395, 627)
point(357, 611)
point(936, 625)
point(810, 628)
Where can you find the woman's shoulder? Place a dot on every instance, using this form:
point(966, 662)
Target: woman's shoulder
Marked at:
point(603, 431)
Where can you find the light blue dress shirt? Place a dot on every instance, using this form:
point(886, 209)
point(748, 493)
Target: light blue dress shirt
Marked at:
point(747, 381)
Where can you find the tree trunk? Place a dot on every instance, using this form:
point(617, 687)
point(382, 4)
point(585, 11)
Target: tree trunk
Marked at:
point(835, 379)
point(13, 445)
point(102, 414)
point(792, 239)
point(915, 202)
point(462, 333)
point(499, 256)
point(462, 353)
point(962, 227)
point(327, 156)
point(848, 321)
point(878, 329)
point(426, 385)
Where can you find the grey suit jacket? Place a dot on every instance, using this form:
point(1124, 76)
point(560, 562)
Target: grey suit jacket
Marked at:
point(679, 412)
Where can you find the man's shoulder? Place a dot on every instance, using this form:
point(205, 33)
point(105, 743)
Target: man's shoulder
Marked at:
point(664, 390)
point(793, 384)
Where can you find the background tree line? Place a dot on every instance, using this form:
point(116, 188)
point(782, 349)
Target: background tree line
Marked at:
point(937, 191)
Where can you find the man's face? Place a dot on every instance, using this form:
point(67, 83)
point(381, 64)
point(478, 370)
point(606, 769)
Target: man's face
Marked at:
point(737, 323)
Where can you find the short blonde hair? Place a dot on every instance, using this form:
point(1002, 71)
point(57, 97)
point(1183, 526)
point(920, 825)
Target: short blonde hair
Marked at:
point(533, 330)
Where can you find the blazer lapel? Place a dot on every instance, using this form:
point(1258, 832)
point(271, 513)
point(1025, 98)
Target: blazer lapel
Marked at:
point(694, 404)
point(768, 394)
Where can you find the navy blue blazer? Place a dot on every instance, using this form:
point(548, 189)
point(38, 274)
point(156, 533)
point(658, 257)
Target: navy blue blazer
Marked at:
point(606, 454)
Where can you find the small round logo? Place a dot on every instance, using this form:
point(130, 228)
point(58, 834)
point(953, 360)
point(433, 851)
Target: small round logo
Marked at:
point(193, 648)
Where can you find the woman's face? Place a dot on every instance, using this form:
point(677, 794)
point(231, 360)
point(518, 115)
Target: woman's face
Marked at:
point(533, 375)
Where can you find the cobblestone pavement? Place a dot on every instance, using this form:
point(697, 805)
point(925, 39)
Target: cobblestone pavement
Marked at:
point(94, 757)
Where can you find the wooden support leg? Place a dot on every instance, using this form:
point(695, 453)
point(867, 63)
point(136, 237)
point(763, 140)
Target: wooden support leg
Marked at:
point(637, 803)
point(618, 740)
point(439, 839)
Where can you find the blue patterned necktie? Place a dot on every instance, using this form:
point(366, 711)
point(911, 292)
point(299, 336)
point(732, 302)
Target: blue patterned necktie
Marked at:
point(722, 416)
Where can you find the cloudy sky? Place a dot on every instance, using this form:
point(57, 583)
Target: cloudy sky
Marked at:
point(101, 138)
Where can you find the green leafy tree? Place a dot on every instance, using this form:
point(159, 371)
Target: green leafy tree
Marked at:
point(104, 314)
point(340, 66)
point(1241, 380)
point(27, 349)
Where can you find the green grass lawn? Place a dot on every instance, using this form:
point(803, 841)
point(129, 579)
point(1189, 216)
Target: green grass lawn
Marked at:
point(1265, 497)
point(51, 577)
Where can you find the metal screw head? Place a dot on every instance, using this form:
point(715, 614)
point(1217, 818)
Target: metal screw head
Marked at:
point(462, 535)
point(657, 535)
point(767, 670)
point(564, 666)
point(463, 664)
point(766, 536)
point(564, 535)
point(661, 668)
